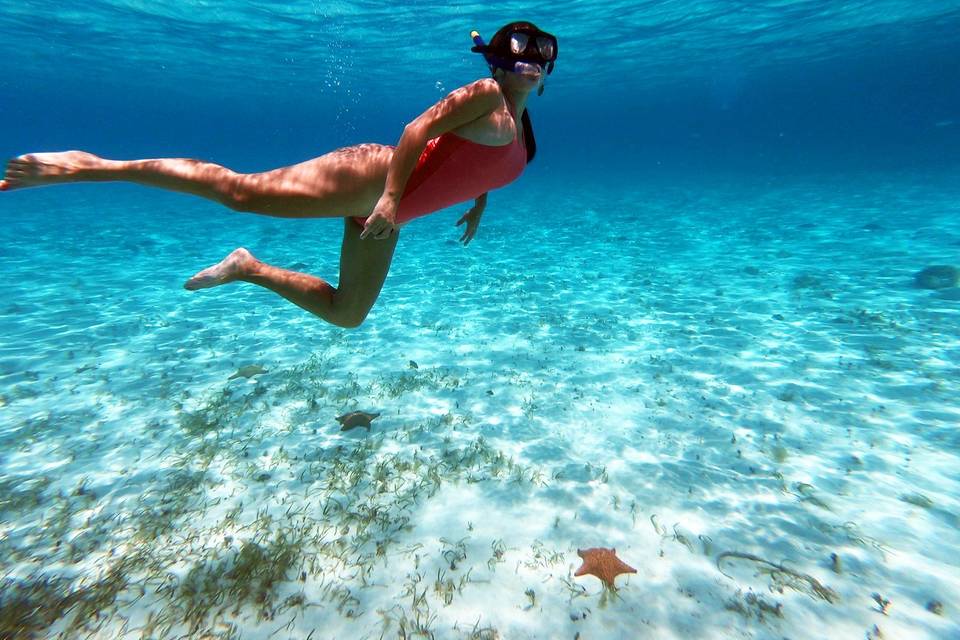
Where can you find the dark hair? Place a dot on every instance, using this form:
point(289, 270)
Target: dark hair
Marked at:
point(528, 139)
point(500, 43)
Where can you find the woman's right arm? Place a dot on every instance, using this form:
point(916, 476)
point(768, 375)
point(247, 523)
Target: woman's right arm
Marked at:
point(462, 106)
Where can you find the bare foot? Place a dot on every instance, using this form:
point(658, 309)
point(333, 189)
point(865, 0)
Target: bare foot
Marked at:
point(227, 270)
point(36, 169)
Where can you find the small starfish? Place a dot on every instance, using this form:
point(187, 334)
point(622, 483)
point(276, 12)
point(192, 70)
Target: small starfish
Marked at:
point(602, 563)
point(356, 419)
point(248, 371)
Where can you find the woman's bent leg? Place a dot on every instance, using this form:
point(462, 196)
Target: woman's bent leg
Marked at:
point(363, 269)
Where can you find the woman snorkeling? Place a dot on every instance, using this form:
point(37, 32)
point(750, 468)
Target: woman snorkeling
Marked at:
point(476, 139)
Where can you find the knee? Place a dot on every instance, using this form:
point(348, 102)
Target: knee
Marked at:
point(236, 193)
point(349, 317)
point(237, 200)
point(350, 320)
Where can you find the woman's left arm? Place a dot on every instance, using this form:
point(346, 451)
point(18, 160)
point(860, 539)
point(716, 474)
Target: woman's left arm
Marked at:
point(472, 218)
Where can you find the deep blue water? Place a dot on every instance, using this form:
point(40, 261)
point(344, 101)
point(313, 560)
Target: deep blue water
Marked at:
point(774, 86)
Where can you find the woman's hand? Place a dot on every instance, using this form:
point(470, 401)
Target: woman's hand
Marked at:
point(472, 218)
point(381, 223)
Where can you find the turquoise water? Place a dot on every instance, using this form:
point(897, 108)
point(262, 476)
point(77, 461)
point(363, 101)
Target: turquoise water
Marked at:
point(690, 331)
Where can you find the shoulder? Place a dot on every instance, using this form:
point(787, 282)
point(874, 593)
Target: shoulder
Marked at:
point(486, 86)
point(461, 106)
point(485, 92)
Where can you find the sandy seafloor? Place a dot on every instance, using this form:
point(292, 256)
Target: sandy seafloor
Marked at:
point(679, 370)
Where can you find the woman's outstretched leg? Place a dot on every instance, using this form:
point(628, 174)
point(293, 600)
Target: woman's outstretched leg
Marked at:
point(345, 182)
point(204, 179)
point(363, 269)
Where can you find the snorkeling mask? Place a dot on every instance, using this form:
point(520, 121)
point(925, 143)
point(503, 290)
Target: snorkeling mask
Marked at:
point(527, 47)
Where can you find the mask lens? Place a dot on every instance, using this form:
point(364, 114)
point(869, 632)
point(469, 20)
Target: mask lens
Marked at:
point(547, 48)
point(518, 43)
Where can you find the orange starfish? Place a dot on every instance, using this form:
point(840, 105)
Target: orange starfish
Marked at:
point(602, 563)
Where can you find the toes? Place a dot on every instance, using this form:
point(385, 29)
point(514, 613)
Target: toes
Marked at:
point(4, 185)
